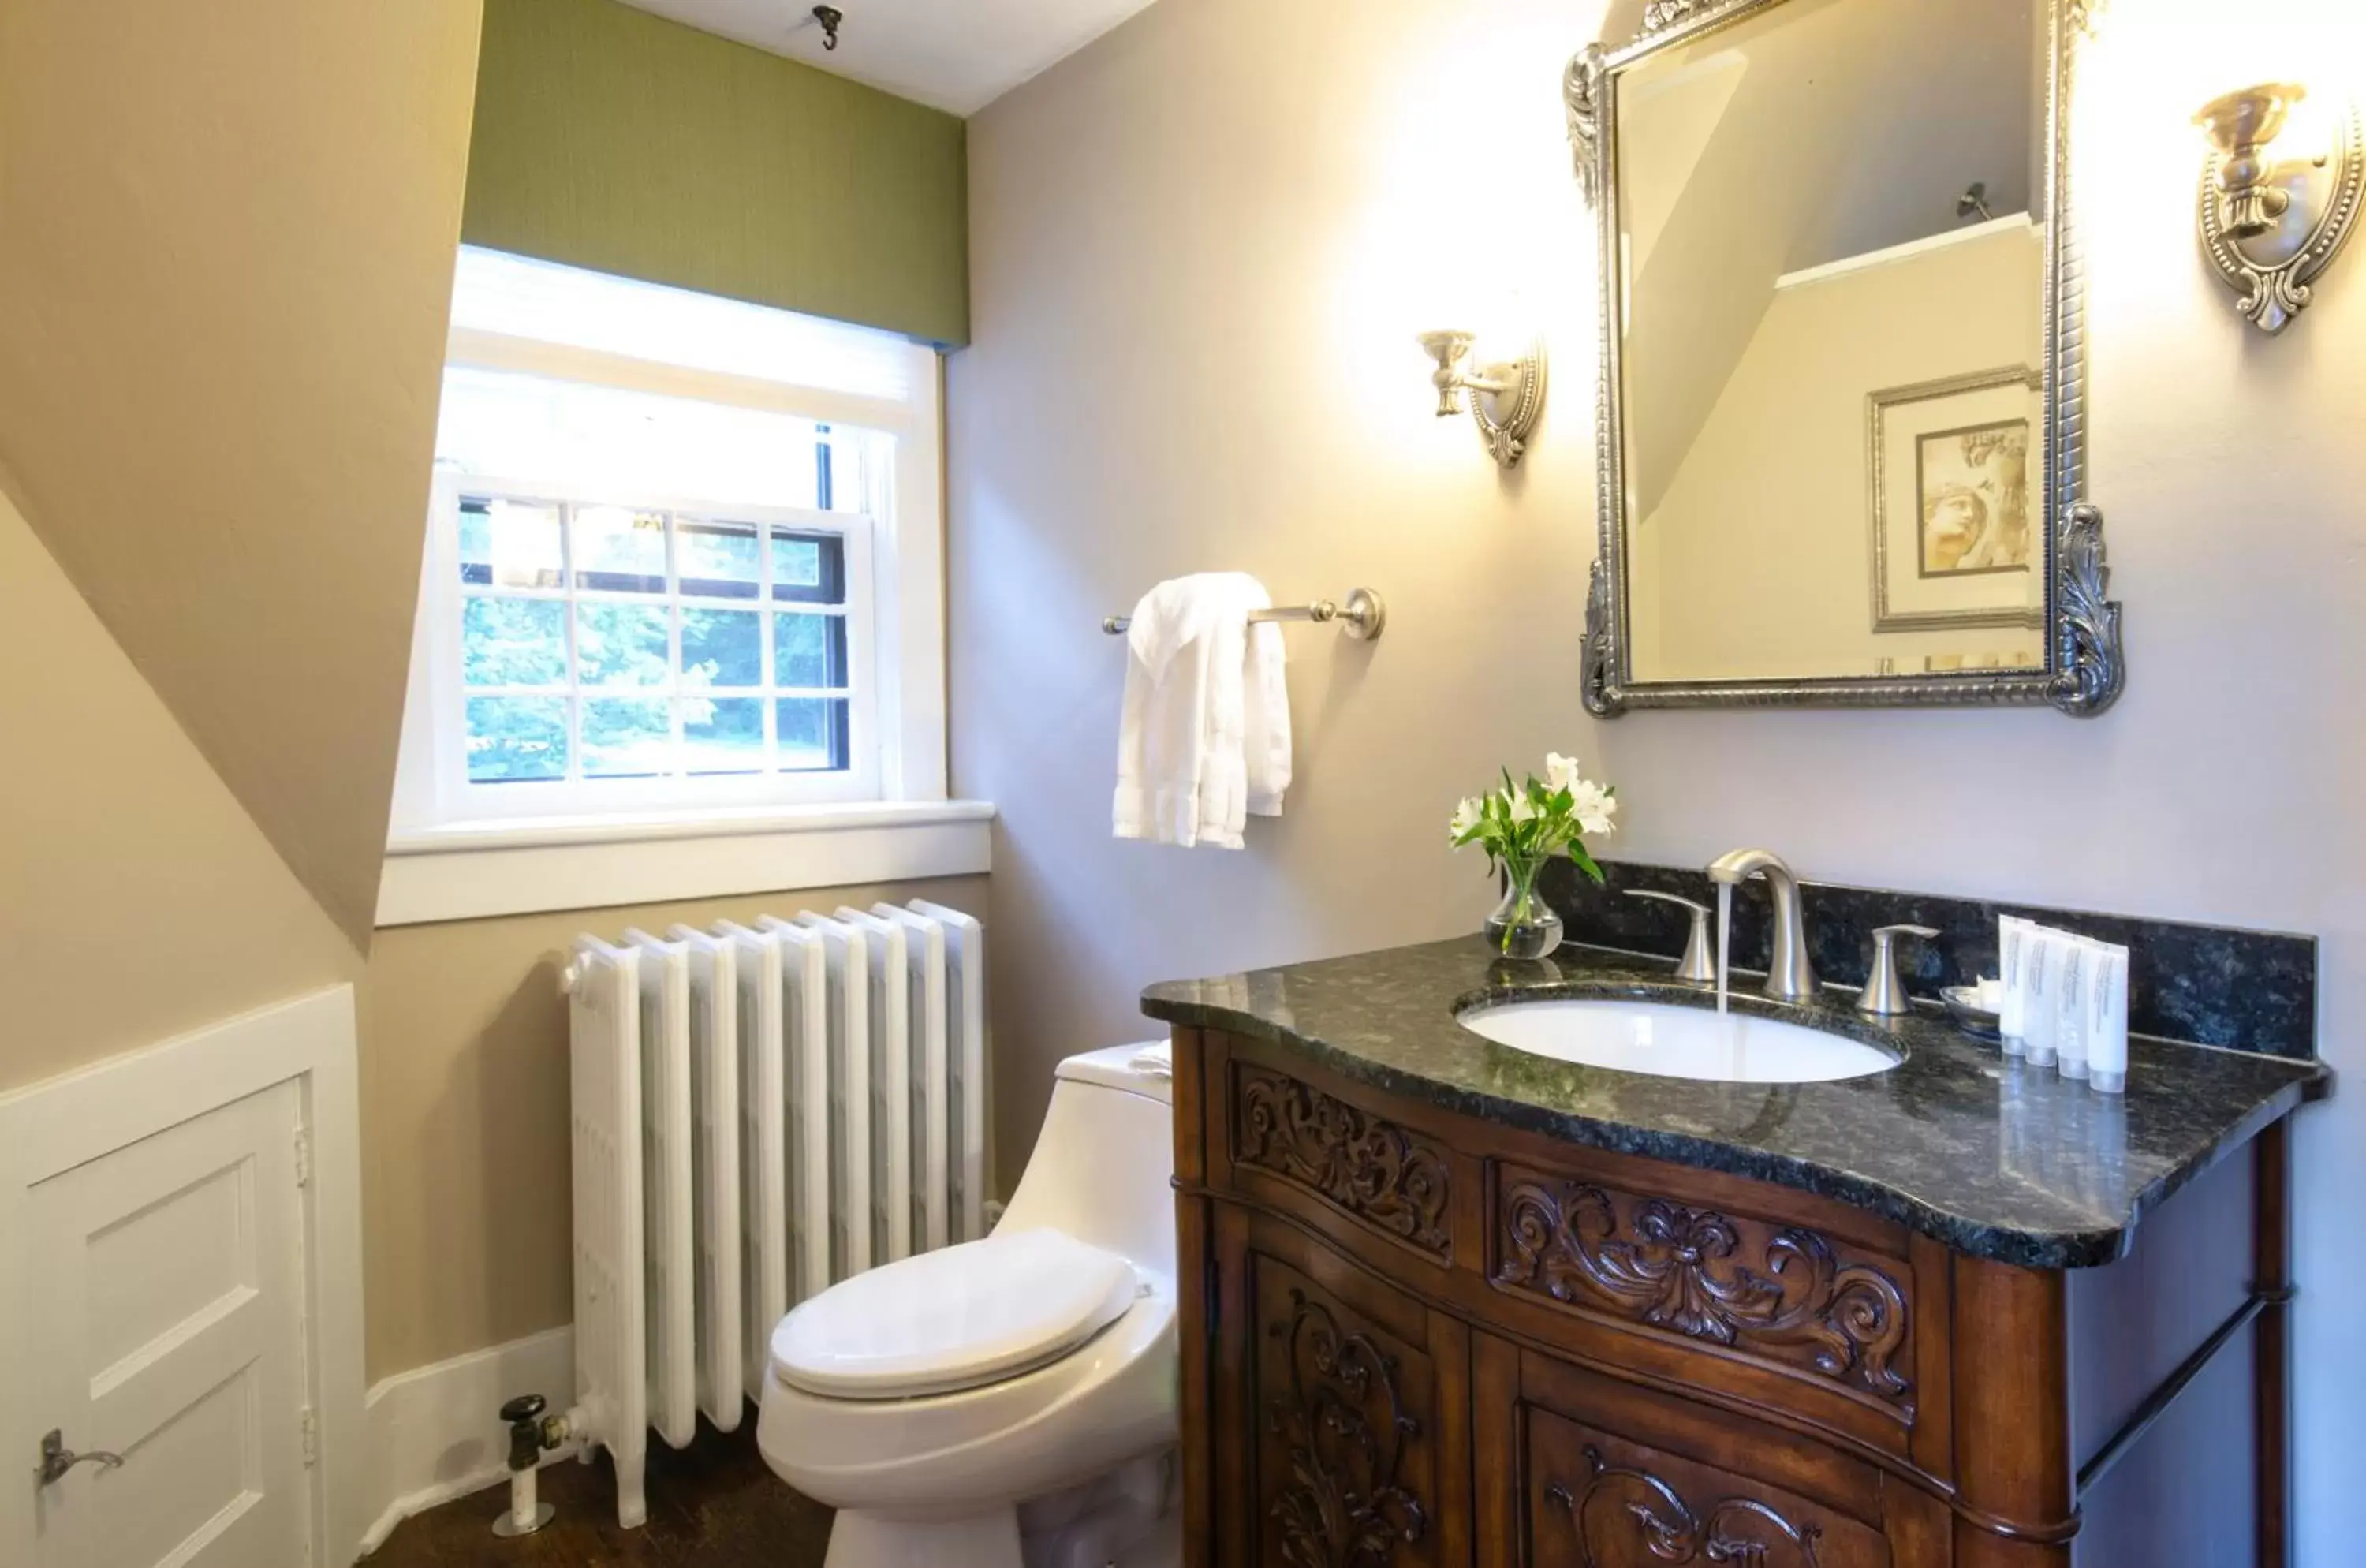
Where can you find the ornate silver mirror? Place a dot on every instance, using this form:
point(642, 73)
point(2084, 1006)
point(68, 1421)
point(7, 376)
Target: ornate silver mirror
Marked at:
point(1841, 429)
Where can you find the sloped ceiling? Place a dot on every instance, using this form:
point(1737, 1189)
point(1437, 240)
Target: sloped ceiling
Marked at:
point(226, 248)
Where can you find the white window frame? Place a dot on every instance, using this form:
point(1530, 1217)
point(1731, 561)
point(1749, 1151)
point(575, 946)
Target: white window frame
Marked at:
point(445, 737)
point(451, 845)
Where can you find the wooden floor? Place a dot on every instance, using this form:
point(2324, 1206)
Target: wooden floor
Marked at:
point(713, 1504)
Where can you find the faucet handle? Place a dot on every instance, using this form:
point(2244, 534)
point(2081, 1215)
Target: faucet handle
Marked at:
point(1698, 965)
point(1884, 994)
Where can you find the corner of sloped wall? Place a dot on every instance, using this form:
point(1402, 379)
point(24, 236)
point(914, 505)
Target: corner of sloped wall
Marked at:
point(137, 899)
point(225, 271)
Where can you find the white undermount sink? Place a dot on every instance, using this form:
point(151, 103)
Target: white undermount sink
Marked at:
point(1676, 1042)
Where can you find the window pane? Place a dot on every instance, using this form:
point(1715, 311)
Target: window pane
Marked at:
point(722, 648)
point(809, 568)
point(621, 645)
point(809, 650)
point(724, 735)
point(509, 544)
point(626, 737)
point(512, 642)
point(619, 551)
point(812, 734)
point(516, 738)
point(719, 560)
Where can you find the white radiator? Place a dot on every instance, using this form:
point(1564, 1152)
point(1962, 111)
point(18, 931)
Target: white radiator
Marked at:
point(758, 1112)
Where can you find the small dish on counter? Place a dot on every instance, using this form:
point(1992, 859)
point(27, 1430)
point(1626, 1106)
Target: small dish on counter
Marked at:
point(1963, 1007)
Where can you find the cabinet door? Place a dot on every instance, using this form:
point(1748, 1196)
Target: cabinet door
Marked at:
point(1342, 1407)
point(1596, 1500)
point(1579, 1470)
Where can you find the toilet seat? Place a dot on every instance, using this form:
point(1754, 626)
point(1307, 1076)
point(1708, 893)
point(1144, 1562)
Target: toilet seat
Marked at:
point(961, 1318)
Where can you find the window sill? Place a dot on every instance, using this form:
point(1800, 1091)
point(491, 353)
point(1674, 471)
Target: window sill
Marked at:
point(472, 871)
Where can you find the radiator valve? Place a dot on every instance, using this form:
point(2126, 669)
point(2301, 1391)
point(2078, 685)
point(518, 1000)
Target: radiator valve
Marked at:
point(532, 1433)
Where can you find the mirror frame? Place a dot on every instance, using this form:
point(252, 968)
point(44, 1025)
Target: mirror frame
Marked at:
point(2085, 668)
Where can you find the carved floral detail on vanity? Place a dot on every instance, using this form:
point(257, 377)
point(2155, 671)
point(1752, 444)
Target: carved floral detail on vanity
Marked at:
point(1619, 1508)
point(1775, 1292)
point(1376, 1171)
point(1346, 1431)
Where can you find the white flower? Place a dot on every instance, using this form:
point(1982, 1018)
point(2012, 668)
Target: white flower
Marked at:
point(1521, 810)
point(1560, 771)
point(1592, 805)
point(1466, 817)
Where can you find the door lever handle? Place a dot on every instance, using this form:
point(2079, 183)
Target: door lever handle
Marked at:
point(57, 1459)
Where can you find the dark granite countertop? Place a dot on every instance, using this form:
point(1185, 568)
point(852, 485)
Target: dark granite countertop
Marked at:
point(1958, 1141)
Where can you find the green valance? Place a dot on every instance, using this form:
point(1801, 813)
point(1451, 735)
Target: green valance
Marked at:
point(609, 139)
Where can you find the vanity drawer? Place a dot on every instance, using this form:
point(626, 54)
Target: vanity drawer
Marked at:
point(1785, 1301)
point(1316, 1157)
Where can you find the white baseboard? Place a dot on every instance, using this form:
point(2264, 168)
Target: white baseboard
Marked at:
point(435, 1432)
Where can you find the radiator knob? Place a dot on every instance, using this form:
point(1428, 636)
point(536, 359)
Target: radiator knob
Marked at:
point(523, 1414)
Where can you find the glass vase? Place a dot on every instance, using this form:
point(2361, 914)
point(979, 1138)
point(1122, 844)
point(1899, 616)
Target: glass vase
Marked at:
point(1524, 925)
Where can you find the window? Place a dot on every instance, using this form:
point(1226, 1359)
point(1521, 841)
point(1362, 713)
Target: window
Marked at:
point(684, 559)
point(602, 642)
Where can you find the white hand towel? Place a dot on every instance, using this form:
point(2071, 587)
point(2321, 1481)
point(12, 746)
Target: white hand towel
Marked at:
point(1191, 767)
point(1265, 720)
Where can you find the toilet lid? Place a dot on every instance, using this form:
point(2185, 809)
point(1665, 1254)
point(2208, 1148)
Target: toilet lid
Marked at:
point(946, 1321)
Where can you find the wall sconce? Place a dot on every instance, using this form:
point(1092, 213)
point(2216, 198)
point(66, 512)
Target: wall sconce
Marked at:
point(1506, 397)
point(2270, 225)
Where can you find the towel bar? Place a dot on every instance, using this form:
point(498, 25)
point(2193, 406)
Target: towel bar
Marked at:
point(1361, 618)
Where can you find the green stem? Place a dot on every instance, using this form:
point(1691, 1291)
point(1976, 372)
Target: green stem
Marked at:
point(1523, 880)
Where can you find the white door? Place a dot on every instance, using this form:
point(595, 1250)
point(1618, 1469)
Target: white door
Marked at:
point(167, 1300)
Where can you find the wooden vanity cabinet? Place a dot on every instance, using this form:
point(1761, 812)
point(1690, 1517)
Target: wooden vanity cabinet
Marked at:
point(1424, 1339)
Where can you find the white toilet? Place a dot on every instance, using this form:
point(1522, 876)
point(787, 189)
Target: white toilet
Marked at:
point(1012, 1401)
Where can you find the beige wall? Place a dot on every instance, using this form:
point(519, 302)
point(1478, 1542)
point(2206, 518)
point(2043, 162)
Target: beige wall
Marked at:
point(1200, 251)
point(1190, 351)
point(465, 1226)
point(226, 240)
point(137, 897)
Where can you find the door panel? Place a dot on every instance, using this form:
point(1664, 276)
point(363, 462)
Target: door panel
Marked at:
point(1341, 1411)
point(1348, 1430)
point(170, 1319)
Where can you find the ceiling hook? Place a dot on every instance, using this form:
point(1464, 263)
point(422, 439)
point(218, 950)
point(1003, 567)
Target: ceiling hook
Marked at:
point(828, 17)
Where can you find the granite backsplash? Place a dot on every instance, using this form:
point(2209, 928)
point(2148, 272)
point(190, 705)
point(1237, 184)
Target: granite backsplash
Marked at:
point(2245, 990)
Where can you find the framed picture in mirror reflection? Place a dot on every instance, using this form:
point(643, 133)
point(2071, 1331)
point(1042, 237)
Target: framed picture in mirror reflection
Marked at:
point(1957, 511)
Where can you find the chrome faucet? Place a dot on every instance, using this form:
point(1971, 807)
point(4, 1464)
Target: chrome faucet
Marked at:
point(1791, 977)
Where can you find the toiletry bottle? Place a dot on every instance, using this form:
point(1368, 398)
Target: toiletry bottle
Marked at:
point(2012, 1012)
point(2107, 1048)
point(2077, 980)
point(2041, 1019)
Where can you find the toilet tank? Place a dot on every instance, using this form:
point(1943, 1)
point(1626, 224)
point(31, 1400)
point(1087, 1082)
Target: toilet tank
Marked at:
point(1104, 1162)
